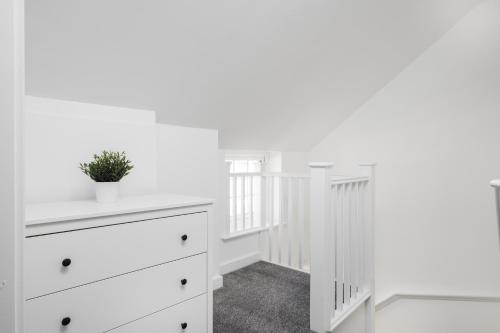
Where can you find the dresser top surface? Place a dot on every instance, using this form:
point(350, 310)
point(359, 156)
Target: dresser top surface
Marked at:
point(75, 210)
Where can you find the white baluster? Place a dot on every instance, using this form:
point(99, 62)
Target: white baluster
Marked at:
point(363, 248)
point(227, 206)
point(280, 220)
point(235, 211)
point(307, 223)
point(339, 260)
point(307, 210)
point(243, 202)
point(333, 204)
point(351, 245)
point(263, 214)
point(301, 221)
point(271, 219)
point(347, 245)
point(370, 262)
point(356, 242)
point(252, 222)
point(340, 247)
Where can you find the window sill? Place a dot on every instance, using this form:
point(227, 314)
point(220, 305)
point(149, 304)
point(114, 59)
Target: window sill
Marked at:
point(240, 234)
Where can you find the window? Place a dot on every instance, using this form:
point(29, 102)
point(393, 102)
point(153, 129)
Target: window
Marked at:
point(244, 193)
point(245, 166)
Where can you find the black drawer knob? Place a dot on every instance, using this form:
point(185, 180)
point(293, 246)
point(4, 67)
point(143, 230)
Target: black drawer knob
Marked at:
point(66, 321)
point(184, 237)
point(184, 282)
point(184, 326)
point(66, 262)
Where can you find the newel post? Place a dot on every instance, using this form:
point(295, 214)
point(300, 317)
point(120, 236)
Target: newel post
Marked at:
point(370, 247)
point(322, 260)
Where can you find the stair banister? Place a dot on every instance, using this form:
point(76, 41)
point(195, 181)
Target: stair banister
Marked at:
point(342, 247)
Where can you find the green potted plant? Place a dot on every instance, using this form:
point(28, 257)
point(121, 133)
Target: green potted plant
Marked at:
point(107, 169)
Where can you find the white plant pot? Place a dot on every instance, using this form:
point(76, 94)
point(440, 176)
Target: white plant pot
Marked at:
point(107, 192)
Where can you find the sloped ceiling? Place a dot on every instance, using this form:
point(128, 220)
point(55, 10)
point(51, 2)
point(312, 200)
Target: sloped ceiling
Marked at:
point(269, 74)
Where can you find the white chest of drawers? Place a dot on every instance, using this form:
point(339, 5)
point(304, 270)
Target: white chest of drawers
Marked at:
point(140, 265)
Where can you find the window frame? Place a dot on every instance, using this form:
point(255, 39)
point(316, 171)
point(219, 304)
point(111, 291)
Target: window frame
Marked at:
point(236, 228)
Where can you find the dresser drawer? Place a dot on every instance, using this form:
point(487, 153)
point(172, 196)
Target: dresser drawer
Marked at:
point(60, 261)
point(187, 317)
point(107, 304)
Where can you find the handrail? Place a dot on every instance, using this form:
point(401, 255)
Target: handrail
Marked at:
point(269, 174)
point(287, 174)
point(349, 179)
point(337, 179)
point(245, 174)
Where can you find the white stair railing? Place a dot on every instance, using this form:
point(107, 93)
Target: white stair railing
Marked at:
point(286, 220)
point(342, 244)
point(277, 206)
point(315, 223)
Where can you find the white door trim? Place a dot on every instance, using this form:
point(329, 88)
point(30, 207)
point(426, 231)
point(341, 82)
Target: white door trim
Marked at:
point(11, 166)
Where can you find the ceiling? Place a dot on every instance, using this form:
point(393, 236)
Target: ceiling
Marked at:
point(269, 74)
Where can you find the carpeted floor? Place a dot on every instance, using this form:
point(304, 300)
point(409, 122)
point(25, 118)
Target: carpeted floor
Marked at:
point(262, 298)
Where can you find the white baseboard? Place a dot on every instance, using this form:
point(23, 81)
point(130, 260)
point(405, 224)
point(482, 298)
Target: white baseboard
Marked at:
point(435, 297)
point(218, 281)
point(240, 262)
point(306, 269)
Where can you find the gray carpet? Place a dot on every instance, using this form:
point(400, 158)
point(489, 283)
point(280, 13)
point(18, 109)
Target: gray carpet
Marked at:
point(262, 298)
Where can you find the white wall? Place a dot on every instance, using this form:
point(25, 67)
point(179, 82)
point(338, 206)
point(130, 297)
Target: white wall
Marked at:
point(11, 92)
point(61, 134)
point(435, 133)
point(188, 160)
point(295, 162)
